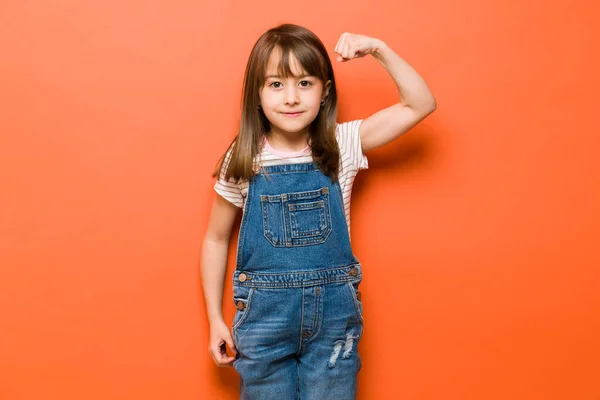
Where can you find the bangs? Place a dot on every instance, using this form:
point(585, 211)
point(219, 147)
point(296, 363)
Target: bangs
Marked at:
point(309, 60)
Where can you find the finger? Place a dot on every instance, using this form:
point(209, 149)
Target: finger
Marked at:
point(217, 352)
point(341, 57)
point(225, 362)
point(337, 45)
point(346, 50)
point(228, 362)
point(222, 349)
point(350, 50)
point(213, 354)
point(341, 44)
point(231, 345)
point(223, 359)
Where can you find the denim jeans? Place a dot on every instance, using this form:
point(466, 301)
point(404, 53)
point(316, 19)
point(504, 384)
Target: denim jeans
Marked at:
point(298, 318)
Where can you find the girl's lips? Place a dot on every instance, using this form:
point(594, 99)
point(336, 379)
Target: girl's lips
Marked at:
point(292, 114)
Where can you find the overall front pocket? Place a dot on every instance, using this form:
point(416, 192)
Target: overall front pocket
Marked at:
point(297, 219)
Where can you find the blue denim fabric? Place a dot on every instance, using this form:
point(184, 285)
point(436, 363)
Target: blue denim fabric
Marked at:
point(299, 315)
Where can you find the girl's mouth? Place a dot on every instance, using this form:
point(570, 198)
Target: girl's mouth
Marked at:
point(292, 115)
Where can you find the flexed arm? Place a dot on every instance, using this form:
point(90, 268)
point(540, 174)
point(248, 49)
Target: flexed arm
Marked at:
point(416, 100)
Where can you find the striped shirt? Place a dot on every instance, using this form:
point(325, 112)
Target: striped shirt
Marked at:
point(352, 159)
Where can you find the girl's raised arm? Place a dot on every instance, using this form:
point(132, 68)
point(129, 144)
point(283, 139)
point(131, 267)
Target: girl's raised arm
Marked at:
point(416, 100)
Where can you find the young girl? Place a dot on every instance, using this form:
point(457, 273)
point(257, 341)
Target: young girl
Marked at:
point(290, 170)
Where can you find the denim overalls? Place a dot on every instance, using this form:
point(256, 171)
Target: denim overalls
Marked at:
point(298, 314)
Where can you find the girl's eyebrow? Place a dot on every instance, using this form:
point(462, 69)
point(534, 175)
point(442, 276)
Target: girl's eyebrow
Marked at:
point(298, 77)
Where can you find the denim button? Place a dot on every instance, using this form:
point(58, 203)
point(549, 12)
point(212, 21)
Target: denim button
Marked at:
point(353, 272)
point(242, 277)
point(241, 305)
point(318, 290)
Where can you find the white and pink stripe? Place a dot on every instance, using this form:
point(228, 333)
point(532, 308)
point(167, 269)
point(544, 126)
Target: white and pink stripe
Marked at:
point(352, 160)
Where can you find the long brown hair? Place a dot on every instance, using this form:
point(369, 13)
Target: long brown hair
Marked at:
point(311, 54)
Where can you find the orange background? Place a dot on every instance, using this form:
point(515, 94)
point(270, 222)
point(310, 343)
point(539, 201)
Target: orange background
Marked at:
point(478, 230)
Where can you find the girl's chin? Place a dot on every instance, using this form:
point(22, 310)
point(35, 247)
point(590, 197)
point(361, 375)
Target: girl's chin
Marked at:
point(291, 129)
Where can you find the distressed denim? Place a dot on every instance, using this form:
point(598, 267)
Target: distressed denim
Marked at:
point(298, 316)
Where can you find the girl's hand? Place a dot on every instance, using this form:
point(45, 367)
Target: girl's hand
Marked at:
point(352, 45)
point(219, 336)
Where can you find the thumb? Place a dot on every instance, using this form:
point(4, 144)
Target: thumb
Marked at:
point(229, 340)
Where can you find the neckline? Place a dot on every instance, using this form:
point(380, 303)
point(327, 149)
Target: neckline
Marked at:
point(285, 154)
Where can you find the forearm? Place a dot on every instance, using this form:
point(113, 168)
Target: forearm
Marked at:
point(413, 90)
point(213, 265)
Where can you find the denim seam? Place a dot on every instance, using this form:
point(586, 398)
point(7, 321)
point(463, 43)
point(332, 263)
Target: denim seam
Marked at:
point(246, 310)
point(301, 325)
point(355, 301)
point(304, 283)
point(243, 224)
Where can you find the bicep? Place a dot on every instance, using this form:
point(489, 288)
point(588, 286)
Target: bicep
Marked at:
point(221, 220)
point(388, 124)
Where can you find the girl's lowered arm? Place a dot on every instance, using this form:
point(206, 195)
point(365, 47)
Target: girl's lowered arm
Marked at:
point(214, 256)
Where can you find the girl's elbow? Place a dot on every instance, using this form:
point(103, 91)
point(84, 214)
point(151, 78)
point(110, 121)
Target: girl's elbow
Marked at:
point(427, 108)
point(431, 106)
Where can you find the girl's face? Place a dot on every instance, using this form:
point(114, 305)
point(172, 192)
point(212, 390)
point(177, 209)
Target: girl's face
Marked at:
point(291, 104)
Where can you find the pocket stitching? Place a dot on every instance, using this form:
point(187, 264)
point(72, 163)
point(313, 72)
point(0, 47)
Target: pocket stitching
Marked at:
point(355, 301)
point(266, 231)
point(324, 208)
point(246, 310)
point(320, 207)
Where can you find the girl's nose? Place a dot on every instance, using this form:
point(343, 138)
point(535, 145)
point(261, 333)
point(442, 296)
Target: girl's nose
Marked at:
point(291, 95)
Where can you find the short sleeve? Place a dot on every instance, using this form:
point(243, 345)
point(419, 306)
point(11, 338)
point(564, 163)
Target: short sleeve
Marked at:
point(229, 190)
point(350, 144)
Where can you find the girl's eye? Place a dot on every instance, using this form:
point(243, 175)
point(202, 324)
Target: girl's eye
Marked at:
point(277, 85)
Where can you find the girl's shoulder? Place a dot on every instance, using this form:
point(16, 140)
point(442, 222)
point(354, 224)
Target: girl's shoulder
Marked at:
point(348, 138)
point(348, 128)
